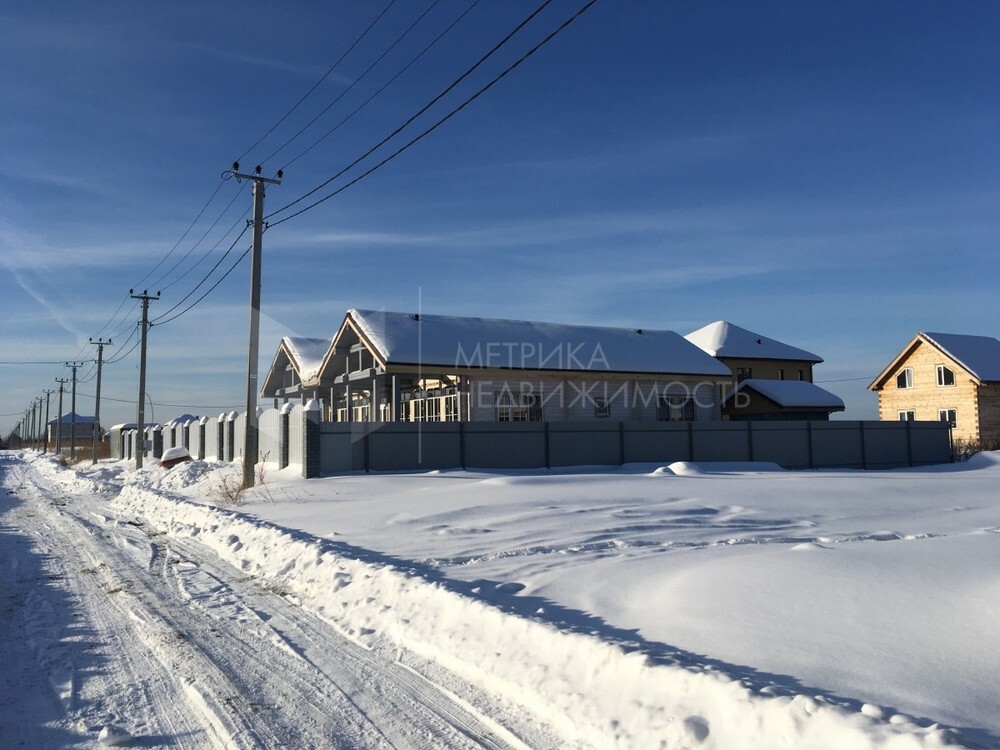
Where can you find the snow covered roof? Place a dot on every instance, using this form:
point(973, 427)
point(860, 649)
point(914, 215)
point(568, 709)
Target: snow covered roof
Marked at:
point(724, 339)
point(307, 354)
point(446, 341)
point(124, 426)
point(980, 355)
point(182, 419)
point(791, 394)
point(67, 418)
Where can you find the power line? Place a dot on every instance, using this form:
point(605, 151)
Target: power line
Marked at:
point(156, 321)
point(437, 124)
point(423, 109)
point(353, 83)
point(160, 321)
point(382, 88)
point(316, 85)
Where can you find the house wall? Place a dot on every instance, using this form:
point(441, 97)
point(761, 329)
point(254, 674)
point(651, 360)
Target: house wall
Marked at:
point(926, 397)
point(989, 413)
point(570, 399)
point(767, 369)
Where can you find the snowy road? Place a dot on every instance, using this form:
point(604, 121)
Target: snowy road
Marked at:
point(154, 634)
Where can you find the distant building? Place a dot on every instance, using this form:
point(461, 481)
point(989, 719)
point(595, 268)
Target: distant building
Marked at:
point(945, 376)
point(757, 364)
point(63, 426)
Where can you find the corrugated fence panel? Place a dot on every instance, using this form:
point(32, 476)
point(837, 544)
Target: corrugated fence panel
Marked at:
point(269, 435)
point(296, 435)
point(585, 443)
point(925, 443)
point(505, 445)
point(212, 439)
point(720, 441)
point(657, 442)
point(785, 443)
point(837, 444)
point(337, 448)
point(395, 446)
point(240, 425)
point(885, 445)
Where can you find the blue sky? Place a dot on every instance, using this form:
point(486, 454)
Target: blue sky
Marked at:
point(822, 173)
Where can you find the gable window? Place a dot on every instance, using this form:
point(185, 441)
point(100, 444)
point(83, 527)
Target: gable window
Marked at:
point(743, 373)
point(906, 416)
point(905, 378)
point(949, 416)
point(945, 376)
point(675, 409)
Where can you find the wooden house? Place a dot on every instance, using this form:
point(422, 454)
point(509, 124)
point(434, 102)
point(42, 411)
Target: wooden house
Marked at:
point(945, 376)
point(756, 362)
point(393, 366)
point(294, 372)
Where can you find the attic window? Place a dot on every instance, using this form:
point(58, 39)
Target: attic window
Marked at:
point(905, 378)
point(945, 376)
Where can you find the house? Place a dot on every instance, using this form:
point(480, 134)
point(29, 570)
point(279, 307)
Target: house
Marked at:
point(756, 362)
point(408, 367)
point(63, 427)
point(294, 373)
point(761, 399)
point(945, 376)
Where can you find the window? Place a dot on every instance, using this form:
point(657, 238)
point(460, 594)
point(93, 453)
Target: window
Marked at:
point(781, 373)
point(743, 373)
point(949, 416)
point(518, 407)
point(602, 408)
point(905, 378)
point(802, 374)
point(906, 416)
point(945, 376)
point(675, 409)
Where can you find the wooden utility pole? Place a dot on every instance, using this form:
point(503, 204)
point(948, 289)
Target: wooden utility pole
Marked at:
point(72, 412)
point(250, 444)
point(140, 434)
point(101, 343)
point(59, 423)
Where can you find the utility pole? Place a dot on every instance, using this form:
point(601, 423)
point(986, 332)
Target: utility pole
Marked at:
point(101, 343)
point(59, 423)
point(141, 417)
point(36, 416)
point(72, 412)
point(250, 444)
point(48, 393)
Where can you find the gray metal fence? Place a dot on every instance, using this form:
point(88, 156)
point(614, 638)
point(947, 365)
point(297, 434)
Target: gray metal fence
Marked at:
point(526, 445)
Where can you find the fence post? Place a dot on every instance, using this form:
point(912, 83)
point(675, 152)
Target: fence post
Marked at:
point(864, 452)
point(284, 435)
point(157, 442)
point(750, 439)
point(691, 441)
point(621, 443)
point(461, 443)
point(809, 443)
point(311, 439)
point(202, 430)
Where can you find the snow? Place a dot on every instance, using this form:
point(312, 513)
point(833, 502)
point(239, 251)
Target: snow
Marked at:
point(689, 606)
point(724, 339)
point(307, 354)
point(439, 340)
point(980, 355)
point(792, 393)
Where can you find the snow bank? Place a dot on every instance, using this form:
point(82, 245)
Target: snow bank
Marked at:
point(595, 692)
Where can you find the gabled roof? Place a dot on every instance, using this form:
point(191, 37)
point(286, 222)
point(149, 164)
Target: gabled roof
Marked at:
point(305, 355)
point(980, 355)
point(791, 394)
point(724, 339)
point(67, 418)
point(445, 341)
point(977, 355)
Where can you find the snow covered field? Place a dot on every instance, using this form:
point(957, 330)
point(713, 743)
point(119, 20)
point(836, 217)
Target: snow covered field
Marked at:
point(643, 607)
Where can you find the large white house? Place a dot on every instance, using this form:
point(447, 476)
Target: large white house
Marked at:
point(394, 366)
